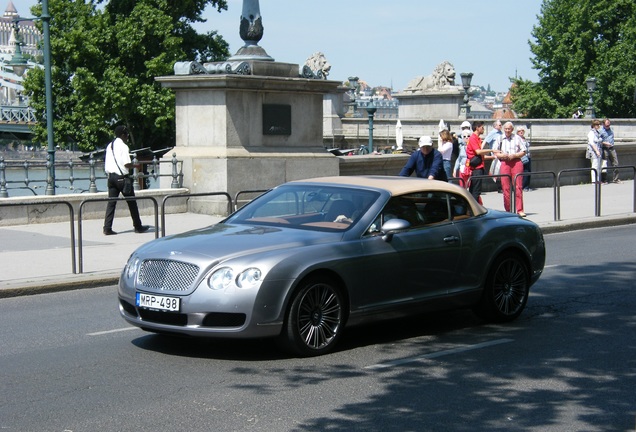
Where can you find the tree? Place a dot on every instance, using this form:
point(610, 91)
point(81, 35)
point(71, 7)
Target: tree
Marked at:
point(104, 63)
point(575, 40)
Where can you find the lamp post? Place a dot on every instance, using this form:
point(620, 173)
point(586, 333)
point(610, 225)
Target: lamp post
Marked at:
point(371, 109)
point(353, 83)
point(591, 86)
point(19, 64)
point(467, 77)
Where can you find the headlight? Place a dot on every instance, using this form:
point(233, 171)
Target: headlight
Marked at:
point(249, 278)
point(131, 266)
point(221, 278)
point(226, 277)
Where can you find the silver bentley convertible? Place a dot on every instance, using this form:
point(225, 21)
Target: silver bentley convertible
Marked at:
point(307, 258)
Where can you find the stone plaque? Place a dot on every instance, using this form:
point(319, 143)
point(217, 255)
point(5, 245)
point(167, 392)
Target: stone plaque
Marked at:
point(277, 119)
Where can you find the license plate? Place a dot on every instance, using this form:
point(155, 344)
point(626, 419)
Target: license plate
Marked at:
point(163, 303)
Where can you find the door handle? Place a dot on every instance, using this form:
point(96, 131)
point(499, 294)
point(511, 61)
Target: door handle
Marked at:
point(451, 239)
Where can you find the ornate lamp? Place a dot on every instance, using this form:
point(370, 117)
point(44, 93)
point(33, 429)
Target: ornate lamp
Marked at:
point(371, 109)
point(18, 62)
point(467, 77)
point(251, 31)
point(591, 87)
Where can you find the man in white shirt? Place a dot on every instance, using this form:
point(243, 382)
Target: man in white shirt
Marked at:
point(117, 164)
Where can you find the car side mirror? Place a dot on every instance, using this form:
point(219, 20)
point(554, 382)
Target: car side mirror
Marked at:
point(392, 226)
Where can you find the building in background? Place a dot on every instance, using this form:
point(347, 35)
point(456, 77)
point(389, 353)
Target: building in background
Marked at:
point(11, 84)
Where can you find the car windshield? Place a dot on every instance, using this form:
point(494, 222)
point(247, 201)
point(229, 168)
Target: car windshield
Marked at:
point(307, 207)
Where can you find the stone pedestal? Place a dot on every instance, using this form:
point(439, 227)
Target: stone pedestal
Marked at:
point(249, 132)
point(432, 104)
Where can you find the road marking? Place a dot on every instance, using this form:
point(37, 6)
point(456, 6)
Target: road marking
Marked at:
point(550, 266)
point(438, 354)
point(111, 331)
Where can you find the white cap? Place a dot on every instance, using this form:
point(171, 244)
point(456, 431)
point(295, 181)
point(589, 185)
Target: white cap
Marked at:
point(425, 141)
point(466, 124)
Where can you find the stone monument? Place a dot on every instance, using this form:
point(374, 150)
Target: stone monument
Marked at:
point(249, 123)
point(433, 96)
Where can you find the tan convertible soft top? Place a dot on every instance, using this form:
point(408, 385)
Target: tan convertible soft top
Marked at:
point(397, 185)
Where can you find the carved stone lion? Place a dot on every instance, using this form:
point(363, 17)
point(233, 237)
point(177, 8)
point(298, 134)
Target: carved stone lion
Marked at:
point(443, 77)
point(318, 65)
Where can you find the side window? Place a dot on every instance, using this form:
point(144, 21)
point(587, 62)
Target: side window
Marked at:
point(434, 208)
point(459, 208)
point(403, 207)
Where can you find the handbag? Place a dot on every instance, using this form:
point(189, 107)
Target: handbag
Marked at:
point(128, 186)
point(495, 169)
point(475, 161)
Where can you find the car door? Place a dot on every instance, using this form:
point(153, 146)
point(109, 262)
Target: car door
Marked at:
point(418, 263)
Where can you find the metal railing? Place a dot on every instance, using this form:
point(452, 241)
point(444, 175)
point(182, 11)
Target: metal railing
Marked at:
point(92, 200)
point(169, 197)
point(71, 220)
point(17, 114)
point(36, 172)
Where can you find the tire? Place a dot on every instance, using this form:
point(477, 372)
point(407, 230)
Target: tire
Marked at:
point(506, 291)
point(315, 319)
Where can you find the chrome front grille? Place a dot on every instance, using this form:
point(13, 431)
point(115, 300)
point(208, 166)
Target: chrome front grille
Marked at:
point(167, 275)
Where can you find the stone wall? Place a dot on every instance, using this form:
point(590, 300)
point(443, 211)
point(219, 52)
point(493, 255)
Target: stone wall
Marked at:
point(51, 208)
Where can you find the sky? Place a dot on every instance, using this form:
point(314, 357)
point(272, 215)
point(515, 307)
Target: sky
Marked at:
point(388, 43)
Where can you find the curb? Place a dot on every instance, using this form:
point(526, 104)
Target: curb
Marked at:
point(597, 222)
point(65, 283)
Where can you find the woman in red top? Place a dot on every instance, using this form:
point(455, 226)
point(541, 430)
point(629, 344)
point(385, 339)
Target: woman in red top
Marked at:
point(474, 148)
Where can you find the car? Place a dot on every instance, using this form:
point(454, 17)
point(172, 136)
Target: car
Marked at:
point(308, 258)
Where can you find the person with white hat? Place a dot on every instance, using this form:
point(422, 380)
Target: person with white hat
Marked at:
point(427, 163)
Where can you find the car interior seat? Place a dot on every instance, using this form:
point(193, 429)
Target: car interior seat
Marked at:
point(435, 211)
point(339, 208)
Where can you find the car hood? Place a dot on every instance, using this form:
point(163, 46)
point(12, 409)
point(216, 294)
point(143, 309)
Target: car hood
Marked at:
point(224, 241)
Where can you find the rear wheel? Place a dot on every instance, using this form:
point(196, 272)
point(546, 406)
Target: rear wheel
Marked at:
point(506, 291)
point(315, 319)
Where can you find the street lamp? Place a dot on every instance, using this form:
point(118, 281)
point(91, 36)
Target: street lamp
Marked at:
point(591, 86)
point(353, 88)
point(467, 77)
point(371, 109)
point(18, 62)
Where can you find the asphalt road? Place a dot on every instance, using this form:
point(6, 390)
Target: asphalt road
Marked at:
point(68, 362)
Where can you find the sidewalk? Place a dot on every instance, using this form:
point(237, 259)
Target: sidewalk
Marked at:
point(36, 258)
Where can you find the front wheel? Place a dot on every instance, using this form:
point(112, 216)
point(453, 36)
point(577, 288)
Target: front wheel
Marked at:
point(315, 319)
point(506, 291)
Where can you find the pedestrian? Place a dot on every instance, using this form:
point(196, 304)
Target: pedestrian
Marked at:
point(578, 113)
point(475, 159)
point(427, 162)
point(526, 160)
point(460, 170)
point(494, 135)
point(445, 147)
point(509, 149)
point(594, 151)
point(117, 164)
point(607, 137)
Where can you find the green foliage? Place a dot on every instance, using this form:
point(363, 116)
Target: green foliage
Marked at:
point(104, 63)
point(531, 100)
point(575, 40)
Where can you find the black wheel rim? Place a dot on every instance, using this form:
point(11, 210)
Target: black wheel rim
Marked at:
point(319, 316)
point(510, 287)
